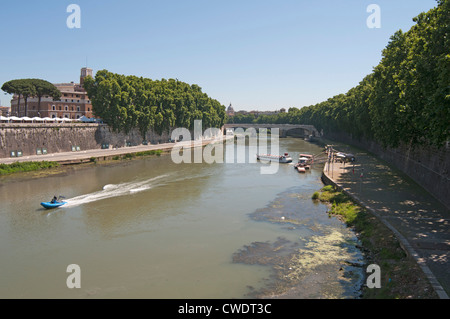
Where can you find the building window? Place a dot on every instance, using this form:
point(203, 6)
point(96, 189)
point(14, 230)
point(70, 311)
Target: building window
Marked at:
point(53, 108)
point(78, 109)
point(59, 107)
point(66, 108)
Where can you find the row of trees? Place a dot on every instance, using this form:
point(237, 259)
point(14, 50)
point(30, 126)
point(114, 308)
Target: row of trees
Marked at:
point(26, 88)
point(406, 100)
point(261, 118)
point(127, 102)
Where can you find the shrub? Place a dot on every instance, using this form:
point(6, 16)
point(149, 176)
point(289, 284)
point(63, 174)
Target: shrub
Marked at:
point(328, 188)
point(16, 167)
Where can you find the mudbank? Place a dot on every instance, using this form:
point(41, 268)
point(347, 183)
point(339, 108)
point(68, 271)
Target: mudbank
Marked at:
point(322, 261)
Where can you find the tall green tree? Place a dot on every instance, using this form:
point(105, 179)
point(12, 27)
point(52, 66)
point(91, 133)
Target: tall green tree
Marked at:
point(127, 102)
point(13, 87)
point(23, 88)
point(26, 88)
point(45, 88)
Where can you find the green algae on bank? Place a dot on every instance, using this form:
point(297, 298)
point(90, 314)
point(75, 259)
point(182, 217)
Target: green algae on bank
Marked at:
point(401, 278)
point(319, 259)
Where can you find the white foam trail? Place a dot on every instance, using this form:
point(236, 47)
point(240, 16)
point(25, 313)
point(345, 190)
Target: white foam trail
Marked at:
point(140, 189)
point(110, 186)
point(112, 190)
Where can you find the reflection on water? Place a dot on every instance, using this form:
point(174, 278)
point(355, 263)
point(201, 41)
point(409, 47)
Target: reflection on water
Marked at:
point(150, 228)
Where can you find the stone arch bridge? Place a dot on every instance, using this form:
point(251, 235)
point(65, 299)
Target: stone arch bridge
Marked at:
point(307, 130)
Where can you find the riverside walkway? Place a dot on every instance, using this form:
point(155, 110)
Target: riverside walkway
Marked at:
point(420, 222)
point(84, 156)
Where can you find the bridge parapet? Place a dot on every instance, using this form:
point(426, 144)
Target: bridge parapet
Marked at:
point(283, 127)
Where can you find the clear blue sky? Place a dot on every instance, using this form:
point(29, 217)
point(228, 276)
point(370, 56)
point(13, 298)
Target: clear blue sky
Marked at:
point(256, 54)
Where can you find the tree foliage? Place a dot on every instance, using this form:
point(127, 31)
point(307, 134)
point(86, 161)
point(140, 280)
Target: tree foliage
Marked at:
point(26, 88)
point(44, 88)
point(405, 100)
point(127, 102)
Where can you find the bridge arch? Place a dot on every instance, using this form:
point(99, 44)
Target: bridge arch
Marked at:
point(284, 128)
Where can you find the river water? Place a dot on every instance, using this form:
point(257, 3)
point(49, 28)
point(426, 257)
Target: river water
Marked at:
point(151, 228)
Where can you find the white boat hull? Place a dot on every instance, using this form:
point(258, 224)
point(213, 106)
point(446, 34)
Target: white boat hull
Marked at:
point(275, 158)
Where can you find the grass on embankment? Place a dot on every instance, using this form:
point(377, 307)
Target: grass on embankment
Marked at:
point(24, 167)
point(139, 154)
point(18, 167)
point(401, 277)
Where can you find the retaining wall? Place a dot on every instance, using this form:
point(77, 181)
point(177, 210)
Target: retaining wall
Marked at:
point(57, 138)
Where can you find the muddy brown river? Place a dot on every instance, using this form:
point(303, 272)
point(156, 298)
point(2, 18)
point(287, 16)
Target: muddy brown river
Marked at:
point(151, 228)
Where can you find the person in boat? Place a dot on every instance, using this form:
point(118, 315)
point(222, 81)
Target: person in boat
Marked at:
point(54, 200)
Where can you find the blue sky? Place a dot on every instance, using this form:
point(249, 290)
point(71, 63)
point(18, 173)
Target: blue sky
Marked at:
point(255, 54)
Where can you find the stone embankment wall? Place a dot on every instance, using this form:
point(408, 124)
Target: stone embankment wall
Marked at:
point(57, 138)
point(427, 166)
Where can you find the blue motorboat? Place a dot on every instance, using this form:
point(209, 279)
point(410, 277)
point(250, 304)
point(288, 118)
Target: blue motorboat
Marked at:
point(50, 205)
point(54, 203)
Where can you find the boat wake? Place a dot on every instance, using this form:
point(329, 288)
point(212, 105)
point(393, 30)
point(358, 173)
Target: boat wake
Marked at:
point(115, 190)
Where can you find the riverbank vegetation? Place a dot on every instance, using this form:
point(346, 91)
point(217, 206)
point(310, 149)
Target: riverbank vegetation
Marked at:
point(17, 167)
point(405, 100)
point(139, 154)
point(401, 277)
point(127, 102)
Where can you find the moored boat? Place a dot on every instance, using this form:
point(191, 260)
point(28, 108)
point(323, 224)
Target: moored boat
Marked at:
point(275, 158)
point(304, 163)
point(301, 169)
point(306, 158)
